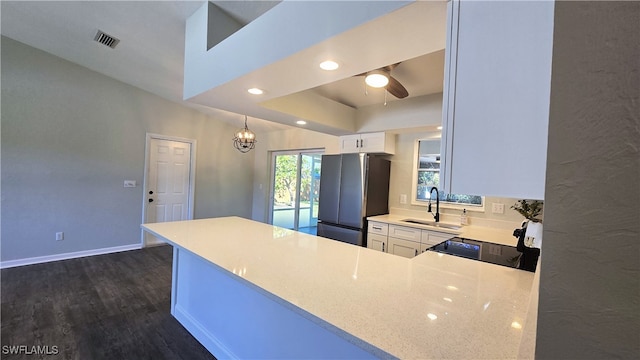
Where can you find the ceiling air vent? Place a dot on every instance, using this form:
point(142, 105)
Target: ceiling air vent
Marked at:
point(106, 39)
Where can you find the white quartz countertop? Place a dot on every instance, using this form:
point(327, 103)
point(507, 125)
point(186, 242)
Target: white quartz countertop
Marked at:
point(432, 306)
point(488, 234)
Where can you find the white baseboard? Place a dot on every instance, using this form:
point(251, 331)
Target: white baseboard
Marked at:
point(65, 256)
point(206, 338)
point(154, 242)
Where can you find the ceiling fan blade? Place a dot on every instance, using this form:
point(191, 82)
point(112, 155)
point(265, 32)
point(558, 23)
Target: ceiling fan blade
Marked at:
point(396, 89)
point(388, 68)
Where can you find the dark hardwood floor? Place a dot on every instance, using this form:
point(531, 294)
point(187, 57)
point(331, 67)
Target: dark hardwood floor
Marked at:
point(113, 306)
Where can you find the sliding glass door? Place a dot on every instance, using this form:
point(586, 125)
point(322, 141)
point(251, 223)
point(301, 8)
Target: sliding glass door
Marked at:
point(295, 188)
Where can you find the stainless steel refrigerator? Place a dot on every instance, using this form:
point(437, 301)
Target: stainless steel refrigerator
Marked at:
point(352, 187)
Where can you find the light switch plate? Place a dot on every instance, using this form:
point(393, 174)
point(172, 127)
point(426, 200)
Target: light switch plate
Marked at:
point(129, 183)
point(403, 198)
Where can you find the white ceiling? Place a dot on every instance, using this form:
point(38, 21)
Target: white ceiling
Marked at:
point(422, 75)
point(151, 49)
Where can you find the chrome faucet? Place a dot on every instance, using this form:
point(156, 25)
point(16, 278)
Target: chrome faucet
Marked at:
point(437, 214)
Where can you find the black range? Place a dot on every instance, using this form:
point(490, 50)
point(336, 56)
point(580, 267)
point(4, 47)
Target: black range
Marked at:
point(504, 255)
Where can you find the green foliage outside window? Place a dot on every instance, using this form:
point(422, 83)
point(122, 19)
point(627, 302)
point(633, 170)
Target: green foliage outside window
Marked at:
point(286, 177)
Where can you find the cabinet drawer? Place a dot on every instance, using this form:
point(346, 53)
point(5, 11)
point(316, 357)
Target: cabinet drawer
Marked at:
point(406, 233)
point(434, 238)
point(378, 228)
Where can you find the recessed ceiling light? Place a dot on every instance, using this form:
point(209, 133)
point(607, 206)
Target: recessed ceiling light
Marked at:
point(255, 91)
point(301, 122)
point(329, 65)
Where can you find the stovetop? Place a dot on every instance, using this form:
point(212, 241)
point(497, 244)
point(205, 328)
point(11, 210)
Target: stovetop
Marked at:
point(498, 254)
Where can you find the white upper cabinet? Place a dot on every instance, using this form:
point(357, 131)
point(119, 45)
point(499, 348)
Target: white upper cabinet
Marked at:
point(496, 97)
point(379, 142)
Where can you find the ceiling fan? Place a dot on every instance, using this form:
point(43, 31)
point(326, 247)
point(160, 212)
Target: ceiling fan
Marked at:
point(381, 78)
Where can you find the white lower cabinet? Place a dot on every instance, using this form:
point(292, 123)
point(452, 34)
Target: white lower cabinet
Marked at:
point(377, 242)
point(405, 248)
point(424, 247)
point(431, 238)
point(405, 233)
point(377, 236)
point(402, 240)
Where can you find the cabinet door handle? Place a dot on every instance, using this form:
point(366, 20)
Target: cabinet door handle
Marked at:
point(382, 247)
point(416, 252)
point(356, 142)
point(376, 228)
point(361, 142)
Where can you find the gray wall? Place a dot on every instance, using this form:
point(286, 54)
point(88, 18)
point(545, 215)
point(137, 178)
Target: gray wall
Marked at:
point(71, 136)
point(589, 305)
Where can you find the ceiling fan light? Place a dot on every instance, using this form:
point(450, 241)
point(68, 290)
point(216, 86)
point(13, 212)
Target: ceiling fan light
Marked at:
point(376, 79)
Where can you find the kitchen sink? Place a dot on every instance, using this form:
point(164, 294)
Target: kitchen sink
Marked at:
point(432, 223)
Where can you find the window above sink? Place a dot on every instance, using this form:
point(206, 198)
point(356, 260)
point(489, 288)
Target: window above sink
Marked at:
point(426, 174)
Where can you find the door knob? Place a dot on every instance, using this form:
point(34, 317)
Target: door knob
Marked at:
point(150, 192)
point(150, 200)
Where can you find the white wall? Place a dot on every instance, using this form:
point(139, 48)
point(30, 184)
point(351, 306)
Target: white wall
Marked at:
point(292, 139)
point(589, 305)
point(421, 111)
point(71, 136)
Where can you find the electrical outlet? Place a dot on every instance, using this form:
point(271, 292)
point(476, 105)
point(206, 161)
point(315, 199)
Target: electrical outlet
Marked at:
point(59, 236)
point(129, 183)
point(403, 198)
point(497, 208)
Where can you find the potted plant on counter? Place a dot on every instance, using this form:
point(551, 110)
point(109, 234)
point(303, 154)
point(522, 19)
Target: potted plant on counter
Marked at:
point(530, 235)
point(530, 209)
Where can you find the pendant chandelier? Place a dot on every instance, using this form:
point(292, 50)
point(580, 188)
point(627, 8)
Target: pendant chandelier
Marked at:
point(245, 139)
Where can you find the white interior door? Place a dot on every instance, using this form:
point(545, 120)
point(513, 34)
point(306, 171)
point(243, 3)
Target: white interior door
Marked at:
point(168, 187)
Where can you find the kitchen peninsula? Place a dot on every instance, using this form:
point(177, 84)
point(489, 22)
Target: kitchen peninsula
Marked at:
point(246, 289)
